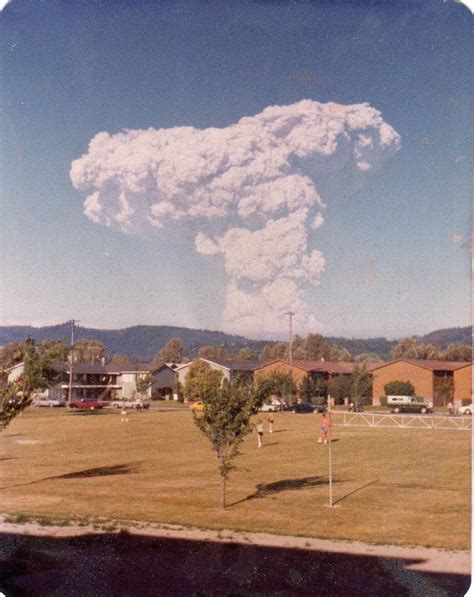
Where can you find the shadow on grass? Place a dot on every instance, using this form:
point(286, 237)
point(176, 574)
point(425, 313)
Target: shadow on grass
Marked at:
point(100, 471)
point(355, 491)
point(89, 412)
point(123, 564)
point(266, 489)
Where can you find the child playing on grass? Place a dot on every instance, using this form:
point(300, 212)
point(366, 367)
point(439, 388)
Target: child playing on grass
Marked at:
point(270, 420)
point(124, 415)
point(324, 429)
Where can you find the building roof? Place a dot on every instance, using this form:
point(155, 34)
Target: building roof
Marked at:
point(332, 367)
point(235, 364)
point(110, 368)
point(431, 365)
point(230, 364)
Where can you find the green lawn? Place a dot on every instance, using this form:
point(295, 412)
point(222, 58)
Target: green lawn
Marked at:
point(390, 486)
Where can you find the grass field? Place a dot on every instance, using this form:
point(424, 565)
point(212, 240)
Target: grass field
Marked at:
point(400, 486)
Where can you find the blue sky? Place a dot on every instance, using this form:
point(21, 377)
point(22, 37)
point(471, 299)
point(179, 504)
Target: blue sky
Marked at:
point(394, 257)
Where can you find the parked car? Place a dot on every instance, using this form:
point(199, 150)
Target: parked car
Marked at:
point(303, 407)
point(269, 407)
point(198, 406)
point(87, 404)
point(400, 404)
point(468, 409)
point(49, 402)
point(320, 408)
point(132, 403)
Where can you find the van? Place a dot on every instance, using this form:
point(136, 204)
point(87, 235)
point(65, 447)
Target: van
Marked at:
point(414, 404)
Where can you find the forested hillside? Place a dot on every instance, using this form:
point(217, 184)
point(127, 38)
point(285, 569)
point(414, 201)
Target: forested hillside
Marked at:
point(144, 341)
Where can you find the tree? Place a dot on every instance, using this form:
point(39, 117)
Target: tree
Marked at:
point(225, 421)
point(40, 371)
point(11, 354)
point(316, 347)
point(172, 352)
point(143, 381)
point(298, 348)
point(444, 391)
point(367, 357)
point(338, 353)
point(246, 354)
point(399, 388)
point(200, 379)
point(212, 352)
point(120, 359)
point(313, 389)
point(279, 350)
point(88, 351)
point(432, 353)
point(361, 385)
point(357, 386)
point(458, 352)
point(340, 388)
point(281, 385)
point(408, 348)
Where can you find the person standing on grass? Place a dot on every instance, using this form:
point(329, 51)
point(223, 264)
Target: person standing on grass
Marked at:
point(450, 408)
point(324, 429)
point(270, 420)
point(124, 415)
point(260, 432)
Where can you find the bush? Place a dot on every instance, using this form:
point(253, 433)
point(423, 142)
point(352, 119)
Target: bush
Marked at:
point(383, 400)
point(466, 401)
point(399, 388)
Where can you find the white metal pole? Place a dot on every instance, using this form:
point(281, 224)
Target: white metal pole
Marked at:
point(330, 451)
point(71, 358)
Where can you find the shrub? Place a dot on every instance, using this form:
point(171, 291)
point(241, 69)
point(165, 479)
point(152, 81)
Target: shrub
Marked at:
point(383, 400)
point(466, 401)
point(399, 388)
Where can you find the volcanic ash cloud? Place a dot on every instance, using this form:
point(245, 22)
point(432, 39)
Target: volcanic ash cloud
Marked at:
point(253, 192)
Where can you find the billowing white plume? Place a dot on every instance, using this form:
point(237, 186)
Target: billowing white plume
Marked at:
point(261, 182)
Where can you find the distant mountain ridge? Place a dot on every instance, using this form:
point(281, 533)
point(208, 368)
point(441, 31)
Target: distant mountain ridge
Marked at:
point(142, 342)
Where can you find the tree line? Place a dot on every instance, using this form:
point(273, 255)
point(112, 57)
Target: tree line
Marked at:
point(314, 348)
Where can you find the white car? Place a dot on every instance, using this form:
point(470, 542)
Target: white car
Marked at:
point(268, 407)
point(50, 402)
point(466, 410)
point(132, 403)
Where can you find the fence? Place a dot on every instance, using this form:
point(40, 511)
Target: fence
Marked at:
point(403, 421)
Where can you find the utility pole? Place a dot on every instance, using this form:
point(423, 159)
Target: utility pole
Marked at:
point(71, 358)
point(290, 346)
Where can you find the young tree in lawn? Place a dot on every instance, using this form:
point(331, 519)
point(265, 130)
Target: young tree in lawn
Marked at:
point(40, 371)
point(225, 420)
point(200, 379)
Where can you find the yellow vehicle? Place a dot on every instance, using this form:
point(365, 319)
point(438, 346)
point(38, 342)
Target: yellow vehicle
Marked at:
point(199, 406)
